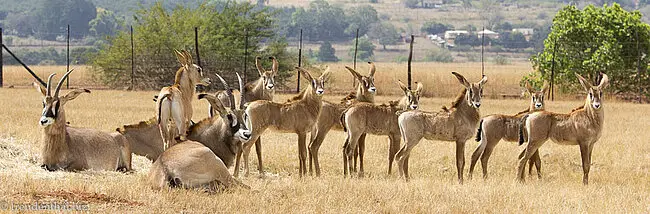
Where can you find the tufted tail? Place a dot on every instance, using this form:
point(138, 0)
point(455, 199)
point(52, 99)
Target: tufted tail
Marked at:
point(478, 132)
point(522, 123)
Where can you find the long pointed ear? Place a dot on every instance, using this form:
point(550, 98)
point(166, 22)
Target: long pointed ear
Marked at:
point(402, 86)
point(276, 65)
point(325, 76)
point(73, 94)
point(354, 73)
point(545, 87)
point(604, 82)
point(188, 57)
point(419, 88)
point(40, 88)
point(180, 57)
point(372, 69)
point(461, 79)
point(585, 84)
point(305, 74)
point(258, 64)
point(216, 104)
point(483, 81)
point(530, 89)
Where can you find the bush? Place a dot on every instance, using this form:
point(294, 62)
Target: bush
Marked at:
point(411, 3)
point(501, 60)
point(462, 48)
point(438, 55)
point(326, 53)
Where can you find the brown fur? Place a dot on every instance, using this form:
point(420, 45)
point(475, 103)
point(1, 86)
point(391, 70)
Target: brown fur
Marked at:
point(367, 118)
point(493, 128)
point(581, 127)
point(331, 112)
point(458, 124)
point(144, 138)
point(292, 117)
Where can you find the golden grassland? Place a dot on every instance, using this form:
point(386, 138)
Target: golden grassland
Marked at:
point(620, 175)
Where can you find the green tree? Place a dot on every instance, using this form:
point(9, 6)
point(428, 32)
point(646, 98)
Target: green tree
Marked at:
point(326, 53)
point(385, 33)
point(597, 39)
point(512, 40)
point(433, 27)
point(437, 54)
point(320, 22)
point(105, 24)
point(411, 3)
point(361, 17)
point(365, 50)
point(55, 15)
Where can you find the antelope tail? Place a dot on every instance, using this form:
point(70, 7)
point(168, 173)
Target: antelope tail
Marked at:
point(342, 119)
point(478, 132)
point(160, 101)
point(522, 123)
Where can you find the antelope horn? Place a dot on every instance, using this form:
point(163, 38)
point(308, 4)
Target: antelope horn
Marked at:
point(231, 98)
point(242, 100)
point(49, 84)
point(58, 86)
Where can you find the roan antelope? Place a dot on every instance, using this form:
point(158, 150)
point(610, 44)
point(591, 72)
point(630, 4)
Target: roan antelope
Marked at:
point(493, 128)
point(295, 116)
point(330, 113)
point(74, 149)
point(175, 102)
point(456, 124)
point(581, 127)
point(144, 138)
point(368, 118)
point(202, 161)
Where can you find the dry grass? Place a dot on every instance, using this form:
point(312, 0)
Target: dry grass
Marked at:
point(17, 75)
point(619, 179)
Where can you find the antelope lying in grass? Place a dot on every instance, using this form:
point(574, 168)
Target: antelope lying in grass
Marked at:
point(295, 116)
point(144, 138)
point(495, 127)
point(260, 89)
point(203, 161)
point(581, 127)
point(74, 149)
point(330, 113)
point(175, 102)
point(362, 118)
point(455, 124)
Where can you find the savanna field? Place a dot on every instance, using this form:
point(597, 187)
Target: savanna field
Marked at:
point(619, 178)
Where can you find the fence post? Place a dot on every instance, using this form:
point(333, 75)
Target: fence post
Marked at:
point(408, 70)
point(638, 67)
point(1, 59)
point(196, 46)
point(299, 61)
point(552, 91)
point(354, 64)
point(67, 67)
point(482, 54)
point(245, 56)
point(132, 62)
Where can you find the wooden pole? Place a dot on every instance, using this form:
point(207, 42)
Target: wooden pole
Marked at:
point(67, 81)
point(482, 53)
point(1, 59)
point(196, 46)
point(132, 61)
point(356, 47)
point(638, 67)
point(246, 55)
point(552, 91)
point(410, 60)
point(25, 66)
point(299, 61)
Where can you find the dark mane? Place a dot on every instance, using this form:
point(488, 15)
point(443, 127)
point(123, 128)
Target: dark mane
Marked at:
point(179, 74)
point(577, 108)
point(350, 96)
point(459, 99)
point(297, 97)
point(525, 111)
point(141, 124)
point(198, 126)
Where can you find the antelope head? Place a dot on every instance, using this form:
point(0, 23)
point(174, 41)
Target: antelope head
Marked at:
point(474, 91)
point(594, 93)
point(194, 72)
point(367, 82)
point(229, 116)
point(537, 97)
point(53, 104)
point(268, 77)
point(412, 96)
point(317, 84)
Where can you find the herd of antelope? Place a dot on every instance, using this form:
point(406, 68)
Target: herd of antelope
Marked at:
point(199, 155)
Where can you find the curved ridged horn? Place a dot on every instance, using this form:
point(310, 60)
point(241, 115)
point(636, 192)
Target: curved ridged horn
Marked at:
point(372, 69)
point(231, 97)
point(49, 85)
point(242, 100)
point(58, 86)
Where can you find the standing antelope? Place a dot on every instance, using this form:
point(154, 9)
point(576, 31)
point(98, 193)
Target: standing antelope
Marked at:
point(581, 127)
point(455, 124)
point(260, 89)
point(203, 161)
point(362, 118)
point(295, 116)
point(330, 113)
point(175, 101)
point(493, 128)
point(73, 149)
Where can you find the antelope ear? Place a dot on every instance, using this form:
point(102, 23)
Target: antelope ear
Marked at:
point(604, 82)
point(403, 87)
point(461, 79)
point(585, 84)
point(372, 69)
point(354, 73)
point(258, 64)
point(276, 65)
point(40, 88)
point(216, 104)
point(483, 81)
point(545, 87)
point(179, 57)
point(305, 74)
point(419, 88)
point(188, 57)
point(530, 89)
point(73, 94)
point(325, 76)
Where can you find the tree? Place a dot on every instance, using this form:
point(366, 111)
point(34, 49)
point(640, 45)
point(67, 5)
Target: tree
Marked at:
point(362, 17)
point(513, 40)
point(365, 50)
point(55, 15)
point(385, 33)
point(593, 40)
point(21, 23)
point(105, 24)
point(321, 21)
point(433, 27)
point(411, 3)
point(326, 53)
